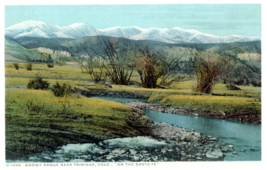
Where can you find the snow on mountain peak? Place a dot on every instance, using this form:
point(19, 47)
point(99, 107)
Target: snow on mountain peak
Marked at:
point(78, 25)
point(78, 30)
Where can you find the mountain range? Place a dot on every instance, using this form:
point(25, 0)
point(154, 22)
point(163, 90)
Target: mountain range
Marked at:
point(80, 30)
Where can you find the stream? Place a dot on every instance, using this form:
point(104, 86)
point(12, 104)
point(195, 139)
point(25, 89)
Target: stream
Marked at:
point(238, 142)
point(245, 137)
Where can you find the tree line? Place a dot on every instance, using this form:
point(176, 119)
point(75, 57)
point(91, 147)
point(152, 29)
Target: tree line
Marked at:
point(117, 59)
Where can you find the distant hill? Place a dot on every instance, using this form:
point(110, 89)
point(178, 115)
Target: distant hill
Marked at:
point(16, 52)
point(230, 48)
point(77, 46)
point(35, 42)
point(20, 48)
point(80, 46)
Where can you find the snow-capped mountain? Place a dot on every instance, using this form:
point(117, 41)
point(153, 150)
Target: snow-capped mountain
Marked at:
point(79, 30)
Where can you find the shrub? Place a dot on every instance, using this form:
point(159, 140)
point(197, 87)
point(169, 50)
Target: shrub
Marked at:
point(208, 67)
point(28, 66)
point(16, 65)
point(50, 65)
point(38, 83)
point(31, 107)
point(61, 91)
point(206, 75)
point(232, 87)
point(256, 83)
point(150, 68)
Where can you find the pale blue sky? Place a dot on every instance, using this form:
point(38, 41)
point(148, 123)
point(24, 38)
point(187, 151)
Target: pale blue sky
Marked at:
point(221, 20)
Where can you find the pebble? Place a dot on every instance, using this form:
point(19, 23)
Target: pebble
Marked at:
point(198, 154)
point(209, 145)
point(33, 158)
point(183, 154)
point(118, 151)
point(191, 160)
point(235, 153)
point(177, 149)
point(170, 150)
point(155, 158)
point(225, 150)
point(183, 159)
point(230, 146)
point(213, 139)
point(136, 158)
point(132, 151)
point(60, 151)
point(218, 147)
point(47, 157)
point(143, 151)
point(86, 156)
point(198, 158)
point(217, 153)
point(77, 160)
point(109, 157)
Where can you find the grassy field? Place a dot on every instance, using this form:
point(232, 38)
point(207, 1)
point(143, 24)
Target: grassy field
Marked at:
point(43, 71)
point(38, 121)
point(75, 77)
point(226, 104)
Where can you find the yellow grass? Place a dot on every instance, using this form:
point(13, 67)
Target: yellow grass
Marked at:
point(35, 118)
point(17, 81)
point(79, 104)
point(72, 71)
point(210, 103)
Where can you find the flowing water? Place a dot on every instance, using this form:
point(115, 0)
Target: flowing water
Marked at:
point(245, 137)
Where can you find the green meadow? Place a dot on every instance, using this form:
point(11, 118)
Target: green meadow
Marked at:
point(38, 121)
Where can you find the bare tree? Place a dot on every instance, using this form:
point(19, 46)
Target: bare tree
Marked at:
point(170, 62)
point(80, 61)
point(93, 67)
point(117, 59)
point(208, 67)
point(149, 67)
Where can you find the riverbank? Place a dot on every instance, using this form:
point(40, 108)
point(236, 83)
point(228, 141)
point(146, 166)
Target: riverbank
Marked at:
point(251, 118)
point(221, 107)
point(37, 121)
point(164, 143)
point(38, 124)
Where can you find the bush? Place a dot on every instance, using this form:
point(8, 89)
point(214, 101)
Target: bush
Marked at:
point(28, 66)
point(61, 91)
point(38, 83)
point(256, 83)
point(50, 65)
point(208, 67)
point(206, 74)
point(16, 65)
point(232, 87)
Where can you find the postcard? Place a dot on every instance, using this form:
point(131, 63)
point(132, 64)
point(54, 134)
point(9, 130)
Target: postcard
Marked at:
point(132, 84)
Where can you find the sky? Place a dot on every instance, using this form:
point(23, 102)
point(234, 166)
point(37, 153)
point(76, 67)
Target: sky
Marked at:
point(216, 19)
